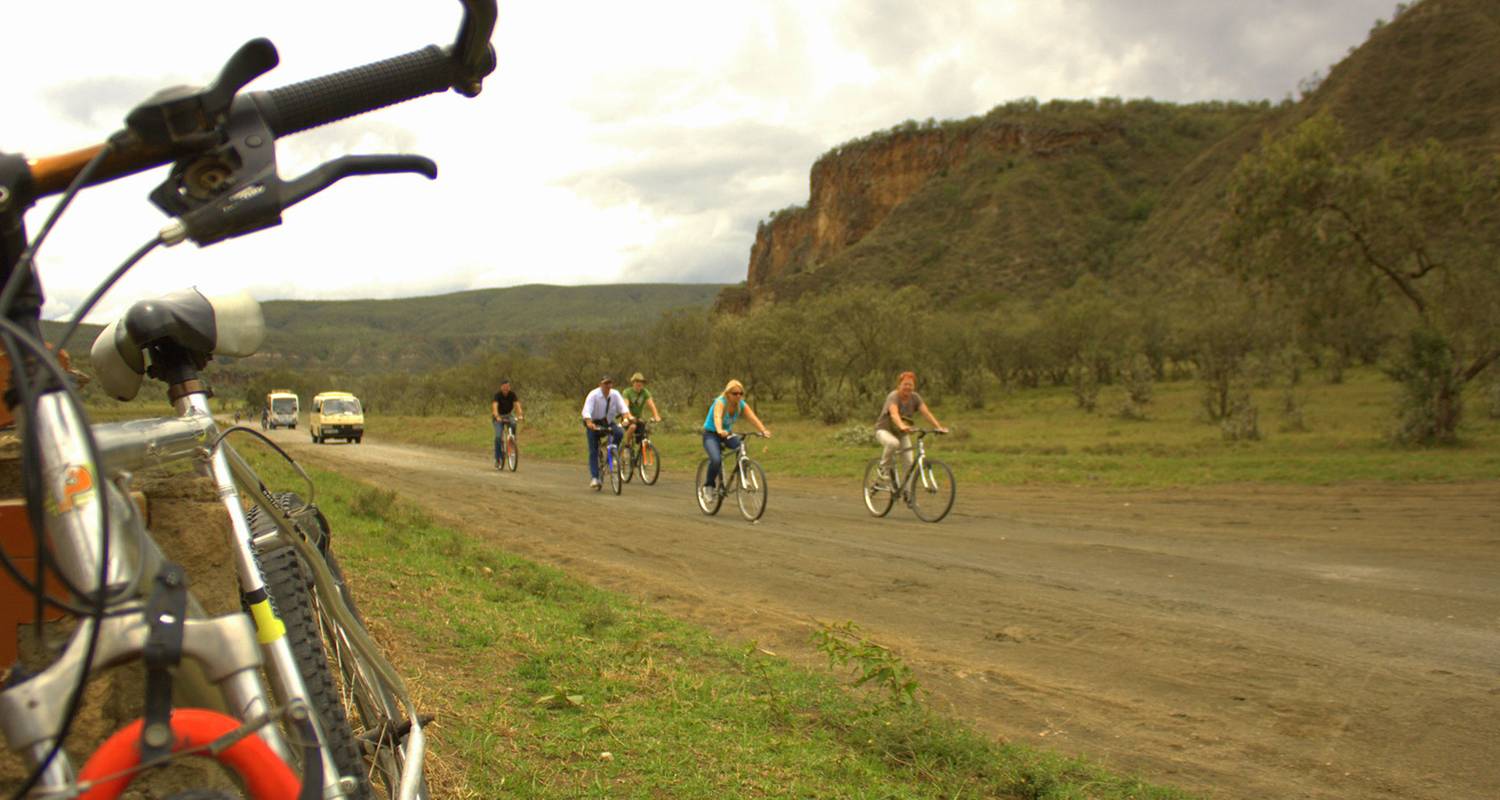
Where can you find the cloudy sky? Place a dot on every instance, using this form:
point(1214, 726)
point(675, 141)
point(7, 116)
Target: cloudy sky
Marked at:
point(636, 141)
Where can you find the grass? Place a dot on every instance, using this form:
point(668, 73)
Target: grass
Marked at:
point(1038, 436)
point(546, 687)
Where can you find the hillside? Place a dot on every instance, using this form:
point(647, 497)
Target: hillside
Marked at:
point(419, 333)
point(1025, 199)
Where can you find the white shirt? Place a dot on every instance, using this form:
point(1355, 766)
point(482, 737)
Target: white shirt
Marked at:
point(600, 406)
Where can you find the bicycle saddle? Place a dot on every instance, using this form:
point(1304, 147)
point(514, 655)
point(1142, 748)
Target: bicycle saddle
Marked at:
point(230, 325)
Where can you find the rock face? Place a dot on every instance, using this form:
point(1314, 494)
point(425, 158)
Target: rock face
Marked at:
point(855, 187)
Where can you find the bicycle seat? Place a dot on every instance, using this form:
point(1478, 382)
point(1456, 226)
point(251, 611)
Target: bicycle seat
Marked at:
point(230, 325)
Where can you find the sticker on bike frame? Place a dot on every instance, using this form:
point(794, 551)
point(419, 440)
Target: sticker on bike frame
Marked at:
point(78, 490)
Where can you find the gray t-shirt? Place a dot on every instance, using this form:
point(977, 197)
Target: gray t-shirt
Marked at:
point(908, 409)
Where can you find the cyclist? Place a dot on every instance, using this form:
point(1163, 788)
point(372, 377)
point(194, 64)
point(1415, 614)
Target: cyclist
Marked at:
point(718, 430)
point(600, 408)
point(504, 402)
point(891, 429)
point(639, 398)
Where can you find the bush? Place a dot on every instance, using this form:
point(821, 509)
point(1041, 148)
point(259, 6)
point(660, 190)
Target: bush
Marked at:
point(856, 435)
point(1242, 424)
point(1431, 395)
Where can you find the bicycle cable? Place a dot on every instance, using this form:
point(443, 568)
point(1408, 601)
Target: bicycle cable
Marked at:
point(14, 335)
point(104, 286)
point(23, 264)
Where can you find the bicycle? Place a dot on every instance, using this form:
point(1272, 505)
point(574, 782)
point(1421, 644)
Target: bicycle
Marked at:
point(609, 457)
point(510, 450)
point(747, 480)
point(639, 456)
point(271, 663)
point(930, 500)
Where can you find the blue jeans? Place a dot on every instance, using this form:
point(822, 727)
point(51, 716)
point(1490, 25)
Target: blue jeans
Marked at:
point(616, 433)
point(714, 446)
point(500, 426)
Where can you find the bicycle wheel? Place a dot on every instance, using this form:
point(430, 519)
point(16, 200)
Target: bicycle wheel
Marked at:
point(512, 452)
point(372, 718)
point(288, 583)
point(879, 494)
point(932, 494)
point(627, 462)
point(709, 505)
point(649, 464)
point(751, 490)
point(616, 479)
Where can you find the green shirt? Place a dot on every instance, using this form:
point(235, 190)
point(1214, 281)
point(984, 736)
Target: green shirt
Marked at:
point(637, 400)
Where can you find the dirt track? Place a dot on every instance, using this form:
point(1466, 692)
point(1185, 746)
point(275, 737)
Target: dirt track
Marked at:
point(1240, 642)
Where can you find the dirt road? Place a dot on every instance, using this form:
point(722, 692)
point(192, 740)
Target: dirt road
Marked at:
point(1240, 642)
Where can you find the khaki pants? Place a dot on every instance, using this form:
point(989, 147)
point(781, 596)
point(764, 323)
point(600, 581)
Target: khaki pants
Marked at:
point(891, 443)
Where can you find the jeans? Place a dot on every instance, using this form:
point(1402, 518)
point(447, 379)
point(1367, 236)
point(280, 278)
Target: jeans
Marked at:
point(616, 433)
point(891, 443)
point(714, 446)
point(501, 425)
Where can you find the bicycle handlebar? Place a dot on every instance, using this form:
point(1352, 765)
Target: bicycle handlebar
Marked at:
point(307, 104)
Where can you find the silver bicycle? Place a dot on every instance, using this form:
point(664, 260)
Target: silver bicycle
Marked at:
point(927, 488)
point(745, 479)
point(314, 708)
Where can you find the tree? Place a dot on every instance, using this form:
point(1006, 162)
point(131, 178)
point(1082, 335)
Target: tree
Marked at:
point(1412, 230)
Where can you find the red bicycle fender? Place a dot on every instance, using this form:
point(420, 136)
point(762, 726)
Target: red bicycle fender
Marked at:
point(266, 776)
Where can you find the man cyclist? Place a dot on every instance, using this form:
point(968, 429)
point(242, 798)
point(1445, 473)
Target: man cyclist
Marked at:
point(504, 402)
point(600, 408)
point(639, 399)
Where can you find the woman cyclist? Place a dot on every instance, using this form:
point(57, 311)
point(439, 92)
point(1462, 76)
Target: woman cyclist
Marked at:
point(891, 429)
point(718, 431)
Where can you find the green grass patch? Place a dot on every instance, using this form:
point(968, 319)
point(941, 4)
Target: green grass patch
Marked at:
point(1039, 436)
point(547, 687)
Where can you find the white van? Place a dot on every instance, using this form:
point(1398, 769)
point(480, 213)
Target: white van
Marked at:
point(280, 410)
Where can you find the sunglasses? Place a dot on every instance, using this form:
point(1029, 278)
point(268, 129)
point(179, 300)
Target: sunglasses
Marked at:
point(736, 394)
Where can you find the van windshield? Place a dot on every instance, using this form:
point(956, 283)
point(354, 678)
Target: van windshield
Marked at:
point(283, 405)
point(341, 405)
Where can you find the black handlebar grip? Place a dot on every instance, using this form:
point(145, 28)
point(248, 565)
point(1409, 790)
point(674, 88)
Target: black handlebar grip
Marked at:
point(340, 95)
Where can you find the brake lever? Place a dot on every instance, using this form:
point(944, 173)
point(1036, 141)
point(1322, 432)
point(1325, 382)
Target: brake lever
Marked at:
point(299, 189)
point(258, 205)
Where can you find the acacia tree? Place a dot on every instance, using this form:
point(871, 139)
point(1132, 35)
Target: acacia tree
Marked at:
point(1412, 230)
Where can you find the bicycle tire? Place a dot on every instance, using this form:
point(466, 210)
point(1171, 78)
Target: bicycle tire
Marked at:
point(512, 452)
point(933, 493)
point(627, 463)
point(364, 703)
point(287, 581)
point(751, 490)
point(616, 480)
point(649, 464)
point(877, 501)
point(711, 508)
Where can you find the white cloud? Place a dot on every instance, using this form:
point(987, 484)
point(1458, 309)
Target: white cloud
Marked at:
point(616, 141)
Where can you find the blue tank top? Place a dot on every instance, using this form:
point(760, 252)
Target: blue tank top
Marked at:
point(728, 418)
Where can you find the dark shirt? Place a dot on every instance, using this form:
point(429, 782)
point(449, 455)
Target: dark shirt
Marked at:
point(506, 401)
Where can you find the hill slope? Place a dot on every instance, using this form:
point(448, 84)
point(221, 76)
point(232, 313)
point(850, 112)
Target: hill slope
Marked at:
point(1027, 198)
point(416, 333)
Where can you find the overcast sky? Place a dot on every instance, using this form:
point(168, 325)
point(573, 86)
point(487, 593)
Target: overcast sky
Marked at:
point(637, 141)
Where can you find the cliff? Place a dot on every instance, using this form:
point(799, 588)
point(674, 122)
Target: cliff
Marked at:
point(969, 193)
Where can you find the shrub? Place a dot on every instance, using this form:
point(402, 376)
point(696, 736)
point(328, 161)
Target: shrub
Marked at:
point(1431, 394)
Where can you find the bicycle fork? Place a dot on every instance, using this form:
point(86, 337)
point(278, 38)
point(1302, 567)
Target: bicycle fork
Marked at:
point(269, 629)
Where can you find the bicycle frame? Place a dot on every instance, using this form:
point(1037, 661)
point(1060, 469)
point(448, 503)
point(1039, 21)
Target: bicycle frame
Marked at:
point(918, 468)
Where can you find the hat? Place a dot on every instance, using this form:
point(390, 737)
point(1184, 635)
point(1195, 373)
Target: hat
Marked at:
point(504, 381)
point(606, 379)
point(638, 377)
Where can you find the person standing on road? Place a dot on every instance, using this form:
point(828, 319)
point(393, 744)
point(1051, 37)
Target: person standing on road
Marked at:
point(600, 408)
point(504, 402)
point(639, 399)
point(891, 427)
point(718, 431)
